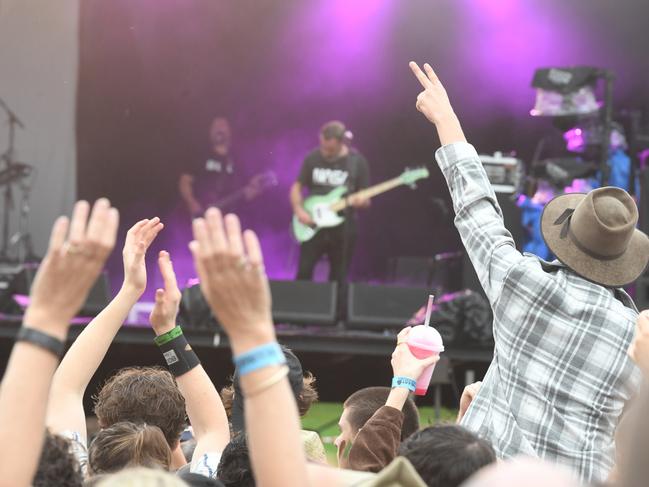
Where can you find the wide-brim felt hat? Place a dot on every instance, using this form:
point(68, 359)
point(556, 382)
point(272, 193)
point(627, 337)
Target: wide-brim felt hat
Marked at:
point(595, 235)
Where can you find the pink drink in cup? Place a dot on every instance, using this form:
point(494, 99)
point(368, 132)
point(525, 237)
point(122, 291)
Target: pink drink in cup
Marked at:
point(424, 341)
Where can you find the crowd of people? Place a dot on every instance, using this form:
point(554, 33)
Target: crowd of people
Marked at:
point(560, 403)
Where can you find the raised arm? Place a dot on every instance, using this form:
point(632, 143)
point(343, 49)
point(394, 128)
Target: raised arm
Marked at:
point(478, 216)
point(204, 407)
point(65, 411)
point(76, 254)
point(231, 270)
point(377, 442)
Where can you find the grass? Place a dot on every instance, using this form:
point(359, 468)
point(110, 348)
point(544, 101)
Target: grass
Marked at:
point(323, 418)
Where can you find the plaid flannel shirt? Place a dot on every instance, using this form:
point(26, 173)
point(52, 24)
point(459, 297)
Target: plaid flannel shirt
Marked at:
point(560, 374)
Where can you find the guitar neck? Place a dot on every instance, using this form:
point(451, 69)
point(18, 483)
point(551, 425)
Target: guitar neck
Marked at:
point(231, 199)
point(369, 192)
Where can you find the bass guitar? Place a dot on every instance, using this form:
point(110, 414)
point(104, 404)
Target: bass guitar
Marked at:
point(325, 210)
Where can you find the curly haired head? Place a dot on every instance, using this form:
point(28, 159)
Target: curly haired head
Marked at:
point(147, 395)
point(57, 465)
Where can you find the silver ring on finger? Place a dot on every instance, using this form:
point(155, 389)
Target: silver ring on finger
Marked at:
point(243, 263)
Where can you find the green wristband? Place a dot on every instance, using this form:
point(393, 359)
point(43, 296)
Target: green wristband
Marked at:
point(167, 337)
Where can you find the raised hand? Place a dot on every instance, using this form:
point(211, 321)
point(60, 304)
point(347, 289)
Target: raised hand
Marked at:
point(167, 300)
point(138, 240)
point(404, 363)
point(77, 252)
point(230, 266)
point(639, 349)
point(433, 102)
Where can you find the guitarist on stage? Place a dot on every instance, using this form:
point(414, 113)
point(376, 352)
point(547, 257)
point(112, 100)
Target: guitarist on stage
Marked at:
point(214, 176)
point(331, 165)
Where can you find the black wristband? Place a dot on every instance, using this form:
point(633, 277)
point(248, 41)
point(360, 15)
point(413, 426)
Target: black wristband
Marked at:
point(40, 339)
point(179, 356)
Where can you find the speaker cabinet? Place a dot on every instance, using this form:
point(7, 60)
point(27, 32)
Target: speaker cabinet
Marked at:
point(97, 300)
point(294, 302)
point(304, 302)
point(381, 307)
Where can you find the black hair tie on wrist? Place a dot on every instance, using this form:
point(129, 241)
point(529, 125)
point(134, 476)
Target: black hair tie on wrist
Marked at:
point(42, 340)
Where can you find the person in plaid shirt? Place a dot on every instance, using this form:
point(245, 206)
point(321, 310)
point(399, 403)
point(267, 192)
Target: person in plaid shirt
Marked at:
point(560, 374)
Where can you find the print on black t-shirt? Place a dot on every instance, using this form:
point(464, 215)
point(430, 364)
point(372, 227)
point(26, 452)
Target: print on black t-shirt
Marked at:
point(320, 176)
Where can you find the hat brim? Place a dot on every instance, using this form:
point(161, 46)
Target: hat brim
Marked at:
point(611, 273)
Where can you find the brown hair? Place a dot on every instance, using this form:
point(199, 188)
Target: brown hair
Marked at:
point(143, 395)
point(364, 403)
point(141, 477)
point(333, 130)
point(304, 399)
point(128, 444)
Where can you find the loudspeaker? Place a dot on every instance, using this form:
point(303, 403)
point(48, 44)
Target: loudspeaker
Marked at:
point(294, 302)
point(97, 300)
point(304, 302)
point(372, 307)
point(194, 312)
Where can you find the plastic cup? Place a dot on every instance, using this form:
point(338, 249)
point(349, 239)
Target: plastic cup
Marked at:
point(424, 341)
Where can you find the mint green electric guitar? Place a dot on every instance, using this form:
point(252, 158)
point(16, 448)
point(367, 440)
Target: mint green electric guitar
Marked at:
point(324, 210)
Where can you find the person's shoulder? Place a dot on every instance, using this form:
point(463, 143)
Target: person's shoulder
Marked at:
point(355, 153)
point(313, 155)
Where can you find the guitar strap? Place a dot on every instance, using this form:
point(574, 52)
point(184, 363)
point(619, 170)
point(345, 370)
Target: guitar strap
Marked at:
point(352, 171)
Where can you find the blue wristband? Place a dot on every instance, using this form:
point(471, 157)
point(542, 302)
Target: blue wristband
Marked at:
point(258, 358)
point(407, 382)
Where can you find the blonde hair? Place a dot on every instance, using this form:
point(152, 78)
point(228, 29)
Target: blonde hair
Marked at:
point(126, 444)
point(142, 477)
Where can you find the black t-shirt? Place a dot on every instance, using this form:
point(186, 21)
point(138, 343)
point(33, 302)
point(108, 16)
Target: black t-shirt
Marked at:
point(215, 177)
point(320, 176)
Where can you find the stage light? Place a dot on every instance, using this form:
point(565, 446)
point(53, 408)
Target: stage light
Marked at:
point(565, 91)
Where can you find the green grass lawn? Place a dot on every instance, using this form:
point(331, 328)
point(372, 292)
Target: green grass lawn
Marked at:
point(323, 418)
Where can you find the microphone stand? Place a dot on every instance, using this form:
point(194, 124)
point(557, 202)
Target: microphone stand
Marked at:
point(8, 158)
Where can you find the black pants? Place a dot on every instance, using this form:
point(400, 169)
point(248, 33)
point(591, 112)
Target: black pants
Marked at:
point(329, 242)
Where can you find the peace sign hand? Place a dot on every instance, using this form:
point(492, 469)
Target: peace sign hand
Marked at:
point(433, 102)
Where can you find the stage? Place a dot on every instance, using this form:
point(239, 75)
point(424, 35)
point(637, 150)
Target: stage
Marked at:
point(362, 358)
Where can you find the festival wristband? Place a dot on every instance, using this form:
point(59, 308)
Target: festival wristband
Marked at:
point(42, 340)
point(179, 355)
point(167, 337)
point(259, 357)
point(276, 378)
point(407, 382)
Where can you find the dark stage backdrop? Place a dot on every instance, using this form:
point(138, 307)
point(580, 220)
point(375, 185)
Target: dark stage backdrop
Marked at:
point(154, 73)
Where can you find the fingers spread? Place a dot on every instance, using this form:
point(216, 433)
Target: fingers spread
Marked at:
point(233, 230)
point(98, 220)
point(421, 76)
point(215, 229)
point(108, 234)
point(430, 73)
point(58, 234)
point(202, 243)
point(253, 248)
point(79, 221)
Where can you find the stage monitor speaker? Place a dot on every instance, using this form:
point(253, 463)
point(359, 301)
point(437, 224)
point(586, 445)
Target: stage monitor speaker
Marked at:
point(97, 300)
point(304, 302)
point(381, 307)
point(294, 302)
